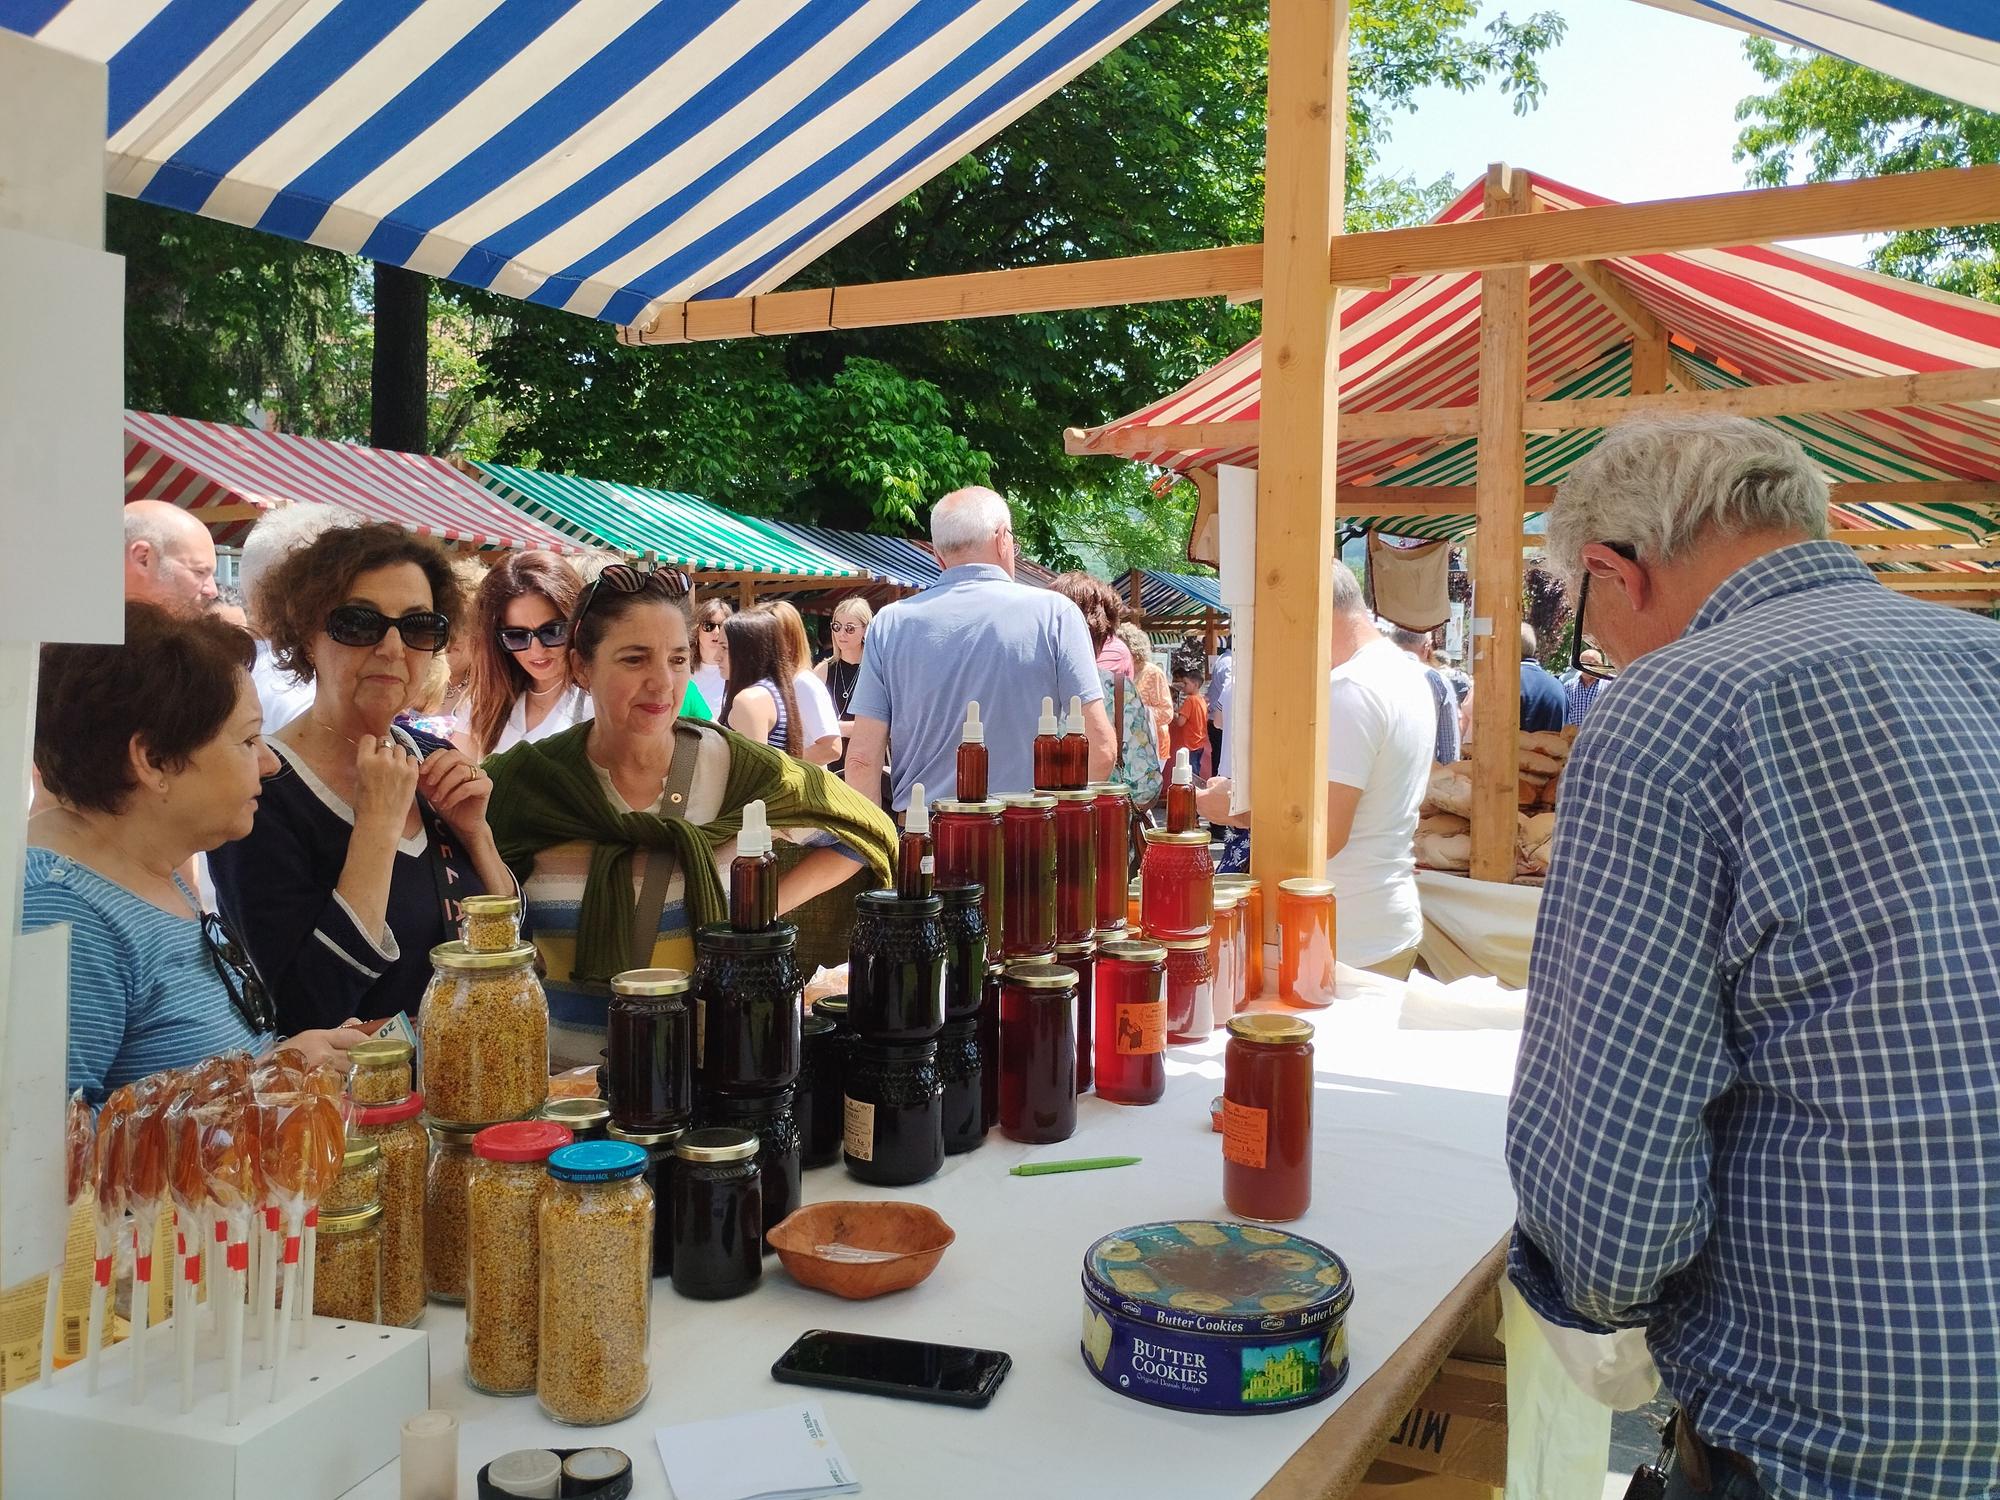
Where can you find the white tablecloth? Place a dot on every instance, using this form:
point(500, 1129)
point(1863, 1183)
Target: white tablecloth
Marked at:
point(1408, 1186)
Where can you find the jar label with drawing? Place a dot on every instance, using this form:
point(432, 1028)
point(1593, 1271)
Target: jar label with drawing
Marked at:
point(1245, 1132)
point(1142, 1029)
point(858, 1132)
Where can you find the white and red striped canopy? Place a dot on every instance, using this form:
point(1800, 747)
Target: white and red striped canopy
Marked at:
point(1746, 314)
point(203, 465)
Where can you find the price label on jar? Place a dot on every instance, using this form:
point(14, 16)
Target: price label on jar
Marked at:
point(858, 1131)
point(1245, 1131)
point(1142, 1029)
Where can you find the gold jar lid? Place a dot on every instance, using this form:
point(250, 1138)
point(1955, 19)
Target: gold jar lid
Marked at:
point(1167, 836)
point(1007, 963)
point(449, 1133)
point(1183, 945)
point(381, 1052)
point(458, 956)
point(1268, 1028)
point(1225, 900)
point(1039, 801)
point(650, 982)
point(361, 1218)
point(359, 1153)
point(578, 1114)
point(1042, 976)
point(644, 1137)
point(1117, 788)
point(1072, 796)
point(491, 906)
point(1239, 882)
point(1304, 885)
point(1084, 949)
point(1134, 951)
point(981, 809)
point(719, 1144)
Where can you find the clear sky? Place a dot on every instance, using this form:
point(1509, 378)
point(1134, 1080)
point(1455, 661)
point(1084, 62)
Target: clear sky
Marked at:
point(1641, 104)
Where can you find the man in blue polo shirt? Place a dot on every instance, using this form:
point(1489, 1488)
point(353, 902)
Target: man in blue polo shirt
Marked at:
point(973, 636)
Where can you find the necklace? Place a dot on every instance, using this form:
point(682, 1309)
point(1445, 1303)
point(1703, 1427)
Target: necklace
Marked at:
point(546, 691)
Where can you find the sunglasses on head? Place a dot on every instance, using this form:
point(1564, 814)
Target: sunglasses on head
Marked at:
point(363, 625)
point(624, 578)
point(519, 637)
point(1597, 674)
point(238, 974)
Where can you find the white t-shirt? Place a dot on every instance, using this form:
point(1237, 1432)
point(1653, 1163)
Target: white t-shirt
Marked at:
point(817, 718)
point(571, 708)
point(282, 696)
point(1381, 726)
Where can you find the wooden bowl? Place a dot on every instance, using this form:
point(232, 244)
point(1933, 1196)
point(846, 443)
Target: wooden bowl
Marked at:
point(908, 1238)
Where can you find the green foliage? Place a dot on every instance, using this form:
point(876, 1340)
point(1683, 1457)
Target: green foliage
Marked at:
point(1832, 119)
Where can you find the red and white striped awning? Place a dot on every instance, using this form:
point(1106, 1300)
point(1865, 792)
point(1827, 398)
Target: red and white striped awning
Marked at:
point(1758, 314)
point(203, 466)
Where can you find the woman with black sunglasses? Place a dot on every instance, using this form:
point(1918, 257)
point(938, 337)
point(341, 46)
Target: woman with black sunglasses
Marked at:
point(151, 753)
point(521, 687)
point(370, 833)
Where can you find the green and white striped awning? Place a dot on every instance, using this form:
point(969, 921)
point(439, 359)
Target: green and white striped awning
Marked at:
point(679, 529)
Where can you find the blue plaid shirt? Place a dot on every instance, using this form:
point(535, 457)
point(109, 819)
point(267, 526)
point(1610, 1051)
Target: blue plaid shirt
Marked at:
point(1758, 1103)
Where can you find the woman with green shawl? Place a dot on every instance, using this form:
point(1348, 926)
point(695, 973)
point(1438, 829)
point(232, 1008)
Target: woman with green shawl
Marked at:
point(619, 829)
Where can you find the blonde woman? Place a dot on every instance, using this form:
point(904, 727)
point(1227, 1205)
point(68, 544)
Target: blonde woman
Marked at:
point(842, 670)
point(1151, 680)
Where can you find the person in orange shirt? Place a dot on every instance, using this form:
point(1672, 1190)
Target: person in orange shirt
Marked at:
point(1189, 728)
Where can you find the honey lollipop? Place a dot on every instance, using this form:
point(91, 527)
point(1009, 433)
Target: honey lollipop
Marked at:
point(228, 1161)
point(189, 1186)
point(328, 1086)
point(285, 1130)
point(146, 1186)
point(79, 1143)
point(108, 1180)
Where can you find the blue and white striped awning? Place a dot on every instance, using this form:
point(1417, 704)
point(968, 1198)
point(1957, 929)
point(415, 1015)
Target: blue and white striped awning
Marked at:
point(591, 156)
point(1174, 596)
point(891, 559)
point(1951, 47)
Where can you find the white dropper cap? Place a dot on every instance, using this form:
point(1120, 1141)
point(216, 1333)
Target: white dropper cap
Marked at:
point(755, 839)
point(1075, 722)
point(1048, 724)
point(974, 732)
point(917, 817)
point(1183, 772)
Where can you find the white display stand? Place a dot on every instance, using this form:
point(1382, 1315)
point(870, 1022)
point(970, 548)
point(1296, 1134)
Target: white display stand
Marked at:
point(345, 1399)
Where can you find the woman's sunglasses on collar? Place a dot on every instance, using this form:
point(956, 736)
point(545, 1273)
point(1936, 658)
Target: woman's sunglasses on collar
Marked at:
point(519, 637)
point(238, 975)
point(362, 625)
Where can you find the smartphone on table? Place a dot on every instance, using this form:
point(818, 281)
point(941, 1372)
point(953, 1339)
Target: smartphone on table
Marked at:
point(948, 1374)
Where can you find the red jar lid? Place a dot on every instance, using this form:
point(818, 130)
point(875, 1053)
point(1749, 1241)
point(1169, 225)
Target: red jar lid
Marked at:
point(521, 1140)
point(407, 1108)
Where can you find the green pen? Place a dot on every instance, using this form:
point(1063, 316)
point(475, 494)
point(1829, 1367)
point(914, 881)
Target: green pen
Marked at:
point(1079, 1164)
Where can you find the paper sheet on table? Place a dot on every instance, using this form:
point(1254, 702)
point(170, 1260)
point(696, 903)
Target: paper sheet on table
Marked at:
point(776, 1454)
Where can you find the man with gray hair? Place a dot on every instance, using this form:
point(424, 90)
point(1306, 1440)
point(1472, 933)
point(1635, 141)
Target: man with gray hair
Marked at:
point(1416, 644)
point(169, 558)
point(975, 635)
point(1755, 1107)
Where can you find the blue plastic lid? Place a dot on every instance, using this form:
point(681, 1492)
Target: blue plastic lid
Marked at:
point(597, 1161)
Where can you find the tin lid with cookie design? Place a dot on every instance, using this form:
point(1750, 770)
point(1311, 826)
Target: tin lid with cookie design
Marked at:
point(1215, 1276)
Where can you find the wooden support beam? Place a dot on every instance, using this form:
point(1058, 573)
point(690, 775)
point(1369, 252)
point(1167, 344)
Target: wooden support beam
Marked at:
point(227, 515)
point(1304, 181)
point(1944, 580)
point(1501, 505)
point(1611, 295)
point(1132, 589)
point(1918, 492)
point(1650, 365)
point(1878, 555)
point(1757, 216)
point(1893, 539)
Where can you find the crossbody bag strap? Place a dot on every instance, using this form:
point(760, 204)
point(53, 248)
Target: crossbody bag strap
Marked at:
point(661, 862)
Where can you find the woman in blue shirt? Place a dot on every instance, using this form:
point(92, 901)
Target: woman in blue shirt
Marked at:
point(153, 752)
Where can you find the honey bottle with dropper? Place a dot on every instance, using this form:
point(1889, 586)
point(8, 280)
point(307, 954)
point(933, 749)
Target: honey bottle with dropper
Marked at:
point(1180, 796)
point(1075, 749)
point(753, 874)
point(915, 864)
point(971, 780)
point(1048, 750)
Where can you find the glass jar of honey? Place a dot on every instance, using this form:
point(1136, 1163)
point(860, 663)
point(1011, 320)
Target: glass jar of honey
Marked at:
point(896, 958)
point(965, 840)
point(1225, 953)
point(961, 1072)
point(718, 1213)
point(649, 1050)
point(1250, 903)
point(1176, 885)
point(1131, 1022)
point(1082, 957)
point(1190, 989)
point(965, 941)
point(989, 1047)
point(748, 1002)
point(1267, 1135)
point(1038, 1053)
point(1305, 942)
point(1028, 880)
point(893, 1115)
point(1076, 866)
point(1112, 805)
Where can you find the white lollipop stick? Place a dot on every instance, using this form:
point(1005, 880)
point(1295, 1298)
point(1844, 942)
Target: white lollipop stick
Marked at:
point(267, 1285)
point(100, 1287)
point(232, 1313)
point(142, 1304)
point(186, 1301)
point(311, 1254)
point(294, 1232)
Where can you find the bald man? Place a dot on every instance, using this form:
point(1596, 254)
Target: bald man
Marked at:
point(169, 558)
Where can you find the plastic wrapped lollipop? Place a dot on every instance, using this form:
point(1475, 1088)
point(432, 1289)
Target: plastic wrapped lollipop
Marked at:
point(327, 1084)
point(286, 1125)
point(146, 1190)
point(79, 1156)
point(229, 1165)
point(109, 1183)
point(224, 1076)
point(189, 1185)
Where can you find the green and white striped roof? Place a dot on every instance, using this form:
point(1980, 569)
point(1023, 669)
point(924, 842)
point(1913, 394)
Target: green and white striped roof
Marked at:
point(679, 529)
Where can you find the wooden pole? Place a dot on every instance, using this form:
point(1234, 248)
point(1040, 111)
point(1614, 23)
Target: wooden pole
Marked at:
point(1304, 183)
point(1208, 632)
point(1501, 490)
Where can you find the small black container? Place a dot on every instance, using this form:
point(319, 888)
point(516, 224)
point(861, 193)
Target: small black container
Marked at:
point(659, 1175)
point(894, 1113)
point(964, 950)
point(770, 1118)
point(960, 1074)
point(649, 1051)
point(989, 1046)
point(816, 1107)
point(717, 1213)
point(748, 1001)
point(895, 968)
